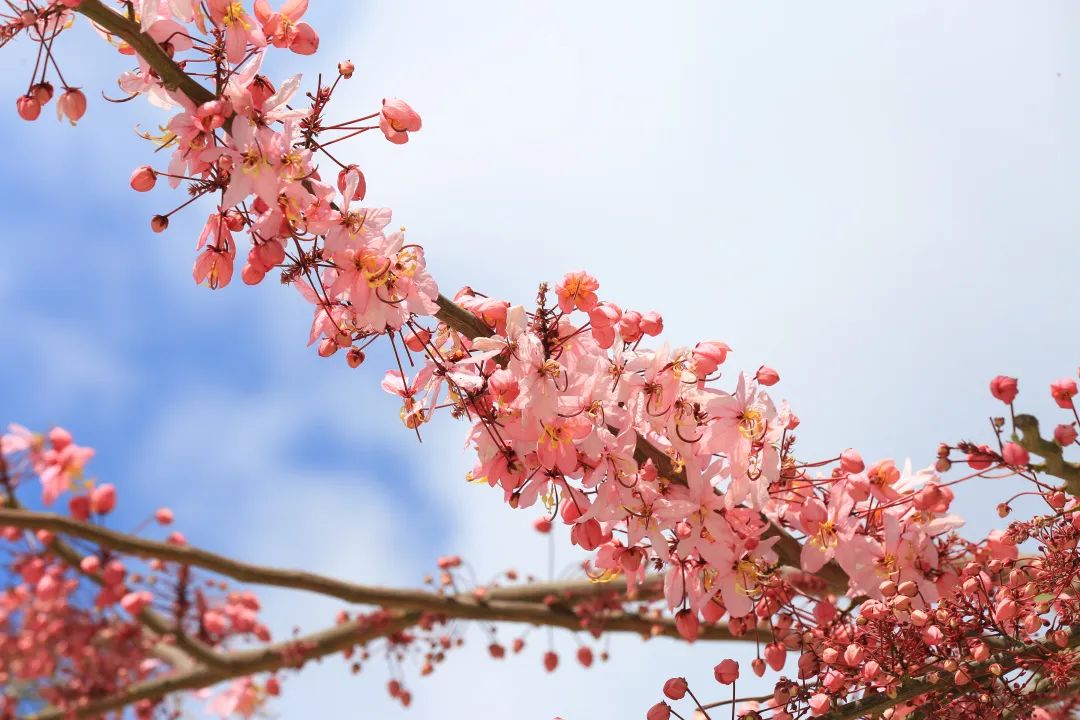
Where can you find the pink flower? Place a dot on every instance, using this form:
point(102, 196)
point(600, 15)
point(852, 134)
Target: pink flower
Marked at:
point(1063, 391)
point(1065, 434)
point(240, 31)
point(28, 107)
point(767, 376)
point(214, 267)
point(1015, 455)
point(144, 178)
point(103, 499)
point(659, 711)
point(1004, 388)
point(819, 704)
point(708, 356)
point(726, 672)
point(72, 105)
point(577, 290)
point(676, 687)
point(397, 119)
point(282, 28)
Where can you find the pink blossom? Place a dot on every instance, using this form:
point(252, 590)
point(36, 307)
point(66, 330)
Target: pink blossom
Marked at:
point(397, 119)
point(1063, 391)
point(1004, 388)
point(282, 28)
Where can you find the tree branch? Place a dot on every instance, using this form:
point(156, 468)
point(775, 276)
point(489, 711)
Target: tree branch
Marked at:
point(496, 605)
point(242, 663)
point(1054, 462)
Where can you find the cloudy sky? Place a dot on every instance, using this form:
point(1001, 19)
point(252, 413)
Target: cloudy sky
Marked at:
point(875, 198)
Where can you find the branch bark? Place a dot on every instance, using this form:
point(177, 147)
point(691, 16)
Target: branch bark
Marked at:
point(525, 604)
point(1054, 462)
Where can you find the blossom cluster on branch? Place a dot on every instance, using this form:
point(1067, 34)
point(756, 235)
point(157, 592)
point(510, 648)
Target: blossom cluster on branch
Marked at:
point(660, 471)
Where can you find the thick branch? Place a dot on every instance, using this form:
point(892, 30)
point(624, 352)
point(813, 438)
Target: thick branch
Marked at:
point(499, 604)
point(1054, 462)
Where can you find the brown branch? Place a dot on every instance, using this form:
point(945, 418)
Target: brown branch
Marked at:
point(1054, 462)
point(243, 663)
point(153, 621)
point(498, 605)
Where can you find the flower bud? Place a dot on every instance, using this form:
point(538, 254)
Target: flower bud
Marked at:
point(346, 68)
point(28, 107)
point(726, 672)
point(675, 688)
point(72, 105)
point(158, 223)
point(143, 179)
point(1004, 388)
point(767, 376)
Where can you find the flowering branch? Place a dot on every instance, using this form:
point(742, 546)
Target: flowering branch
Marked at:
point(549, 606)
point(292, 653)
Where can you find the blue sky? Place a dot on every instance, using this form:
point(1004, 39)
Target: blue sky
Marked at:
point(875, 198)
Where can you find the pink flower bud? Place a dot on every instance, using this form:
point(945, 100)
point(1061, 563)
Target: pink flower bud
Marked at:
point(652, 324)
point(327, 347)
point(853, 654)
point(28, 107)
point(159, 223)
point(767, 376)
point(90, 564)
point(659, 711)
point(164, 516)
point(1015, 455)
point(253, 275)
point(346, 68)
point(757, 665)
point(726, 672)
point(851, 461)
point(355, 357)
point(1005, 610)
point(134, 602)
point(79, 507)
point(47, 588)
point(776, 656)
point(687, 623)
point(42, 92)
point(675, 688)
point(819, 704)
point(1065, 434)
point(1004, 388)
point(143, 179)
point(72, 105)
point(551, 661)
point(585, 656)
point(103, 499)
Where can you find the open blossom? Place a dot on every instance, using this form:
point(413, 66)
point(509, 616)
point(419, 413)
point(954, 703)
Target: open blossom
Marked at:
point(397, 119)
point(241, 29)
point(1063, 391)
point(283, 28)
